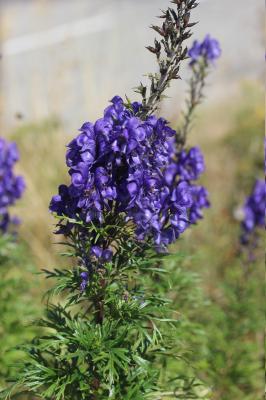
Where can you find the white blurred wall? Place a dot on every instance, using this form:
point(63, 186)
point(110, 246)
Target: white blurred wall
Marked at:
point(69, 57)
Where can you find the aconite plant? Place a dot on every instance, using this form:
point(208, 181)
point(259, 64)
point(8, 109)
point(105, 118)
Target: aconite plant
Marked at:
point(132, 192)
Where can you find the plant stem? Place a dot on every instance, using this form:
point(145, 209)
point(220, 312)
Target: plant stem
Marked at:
point(174, 31)
point(196, 87)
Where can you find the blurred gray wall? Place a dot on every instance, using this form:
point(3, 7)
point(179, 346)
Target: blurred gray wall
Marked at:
point(69, 57)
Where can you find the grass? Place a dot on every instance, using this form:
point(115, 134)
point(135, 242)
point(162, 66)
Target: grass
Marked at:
point(42, 147)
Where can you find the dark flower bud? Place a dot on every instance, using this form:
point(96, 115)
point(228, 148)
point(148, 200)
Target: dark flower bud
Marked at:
point(151, 49)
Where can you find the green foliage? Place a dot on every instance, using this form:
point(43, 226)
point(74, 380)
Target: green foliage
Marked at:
point(16, 307)
point(229, 356)
point(183, 287)
point(235, 335)
point(112, 340)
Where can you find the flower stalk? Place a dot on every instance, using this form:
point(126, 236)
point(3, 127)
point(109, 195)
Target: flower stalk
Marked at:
point(169, 51)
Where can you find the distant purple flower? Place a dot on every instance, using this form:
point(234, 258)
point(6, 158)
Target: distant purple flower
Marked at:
point(132, 167)
point(254, 211)
point(195, 52)
point(11, 186)
point(209, 49)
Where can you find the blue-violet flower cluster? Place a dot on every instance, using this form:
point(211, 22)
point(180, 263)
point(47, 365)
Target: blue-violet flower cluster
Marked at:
point(209, 50)
point(11, 186)
point(254, 211)
point(122, 164)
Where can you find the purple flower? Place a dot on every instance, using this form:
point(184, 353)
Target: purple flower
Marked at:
point(209, 49)
point(11, 186)
point(191, 164)
point(122, 164)
point(254, 211)
point(84, 280)
point(103, 255)
point(195, 52)
point(199, 201)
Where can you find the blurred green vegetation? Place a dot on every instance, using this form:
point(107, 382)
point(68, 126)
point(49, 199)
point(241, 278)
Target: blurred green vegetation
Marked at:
point(19, 303)
point(218, 297)
point(229, 354)
point(244, 141)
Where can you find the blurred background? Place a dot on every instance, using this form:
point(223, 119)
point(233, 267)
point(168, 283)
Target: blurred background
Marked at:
point(63, 60)
point(68, 58)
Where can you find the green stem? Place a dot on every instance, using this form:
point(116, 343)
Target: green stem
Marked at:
point(196, 88)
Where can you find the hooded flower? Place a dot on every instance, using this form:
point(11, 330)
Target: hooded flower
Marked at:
point(209, 49)
point(130, 166)
point(254, 211)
